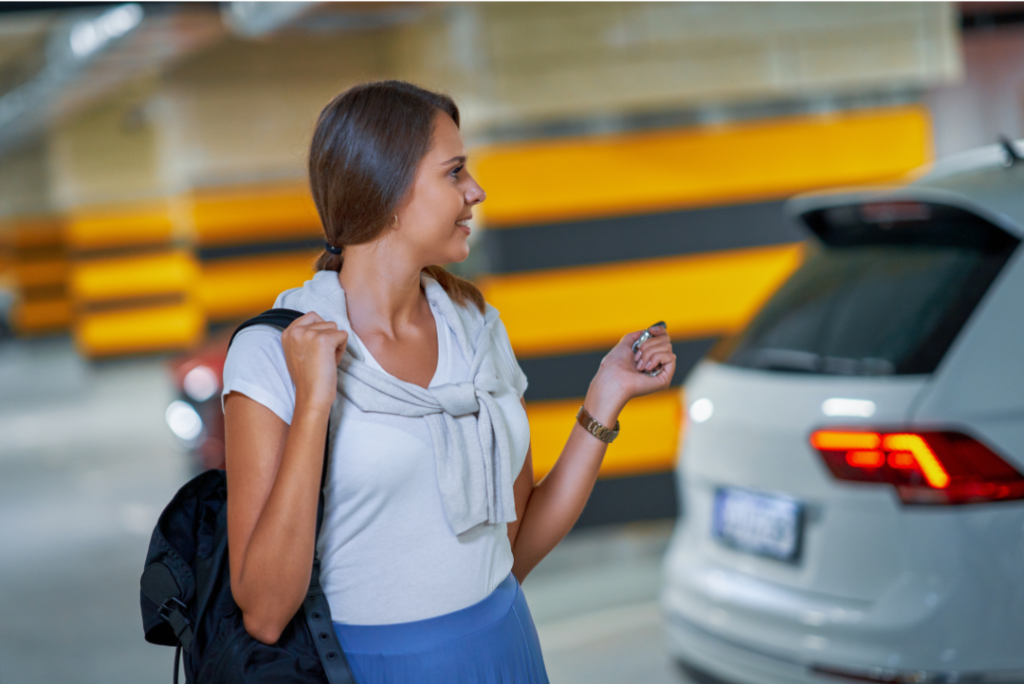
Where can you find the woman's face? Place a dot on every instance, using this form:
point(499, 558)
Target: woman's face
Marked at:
point(433, 218)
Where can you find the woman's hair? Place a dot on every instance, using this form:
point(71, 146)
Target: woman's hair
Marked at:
point(366, 148)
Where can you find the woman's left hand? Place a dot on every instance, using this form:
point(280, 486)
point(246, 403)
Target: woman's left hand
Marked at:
point(623, 373)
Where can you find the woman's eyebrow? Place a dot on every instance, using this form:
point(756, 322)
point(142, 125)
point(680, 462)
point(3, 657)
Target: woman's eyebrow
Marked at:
point(460, 159)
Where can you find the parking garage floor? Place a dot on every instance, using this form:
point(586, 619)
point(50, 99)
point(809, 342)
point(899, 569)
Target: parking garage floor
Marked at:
point(86, 465)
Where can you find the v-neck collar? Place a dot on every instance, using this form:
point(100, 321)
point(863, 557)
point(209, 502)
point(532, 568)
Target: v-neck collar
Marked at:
point(323, 293)
point(442, 349)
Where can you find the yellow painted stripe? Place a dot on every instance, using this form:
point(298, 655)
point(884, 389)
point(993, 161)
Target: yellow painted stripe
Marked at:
point(122, 226)
point(592, 307)
point(241, 287)
point(44, 315)
point(144, 275)
point(647, 442)
point(254, 214)
point(132, 331)
point(644, 172)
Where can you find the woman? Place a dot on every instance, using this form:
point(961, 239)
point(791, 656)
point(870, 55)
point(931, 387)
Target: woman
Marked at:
point(432, 517)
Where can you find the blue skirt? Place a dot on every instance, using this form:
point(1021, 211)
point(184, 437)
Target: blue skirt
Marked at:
point(491, 642)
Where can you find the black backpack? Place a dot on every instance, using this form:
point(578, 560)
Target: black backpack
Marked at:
point(186, 592)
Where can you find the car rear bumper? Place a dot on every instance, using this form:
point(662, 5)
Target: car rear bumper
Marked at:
point(730, 661)
point(743, 628)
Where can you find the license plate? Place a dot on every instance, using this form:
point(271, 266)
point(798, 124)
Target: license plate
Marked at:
point(758, 523)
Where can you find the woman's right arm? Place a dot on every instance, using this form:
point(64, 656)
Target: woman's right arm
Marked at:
point(273, 473)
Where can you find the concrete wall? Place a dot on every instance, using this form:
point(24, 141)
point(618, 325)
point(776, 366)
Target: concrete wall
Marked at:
point(989, 100)
point(197, 165)
point(577, 59)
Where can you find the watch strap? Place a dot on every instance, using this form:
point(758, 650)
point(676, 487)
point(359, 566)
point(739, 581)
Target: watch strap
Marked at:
point(595, 428)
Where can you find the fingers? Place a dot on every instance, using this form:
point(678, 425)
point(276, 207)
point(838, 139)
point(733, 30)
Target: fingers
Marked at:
point(656, 330)
point(310, 330)
point(311, 322)
point(659, 358)
point(660, 343)
point(323, 327)
point(656, 351)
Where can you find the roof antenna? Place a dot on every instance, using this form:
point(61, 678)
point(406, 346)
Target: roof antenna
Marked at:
point(1011, 154)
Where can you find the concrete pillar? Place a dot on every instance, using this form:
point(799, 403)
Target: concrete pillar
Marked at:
point(132, 276)
point(33, 258)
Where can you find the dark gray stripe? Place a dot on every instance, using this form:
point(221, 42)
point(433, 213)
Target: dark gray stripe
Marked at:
point(629, 499)
point(568, 376)
point(646, 236)
point(128, 303)
point(84, 255)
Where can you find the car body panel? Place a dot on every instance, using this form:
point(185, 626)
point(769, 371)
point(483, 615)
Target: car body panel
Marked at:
point(982, 376)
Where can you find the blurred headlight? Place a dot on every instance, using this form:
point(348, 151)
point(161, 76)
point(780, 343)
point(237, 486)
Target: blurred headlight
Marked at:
point(201, 383)
point(183, 421)
point(701, 410)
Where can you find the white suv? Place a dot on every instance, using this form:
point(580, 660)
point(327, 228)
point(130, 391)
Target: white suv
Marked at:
point(850, 480)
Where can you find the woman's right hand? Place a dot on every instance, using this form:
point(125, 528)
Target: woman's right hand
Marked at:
point(312, 350)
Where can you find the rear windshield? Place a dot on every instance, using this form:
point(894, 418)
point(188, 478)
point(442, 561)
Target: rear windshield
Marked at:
point(875, 297)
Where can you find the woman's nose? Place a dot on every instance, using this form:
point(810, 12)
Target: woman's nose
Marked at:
point(474, 193)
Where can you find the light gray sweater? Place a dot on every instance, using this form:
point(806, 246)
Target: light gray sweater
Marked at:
point(472, 445)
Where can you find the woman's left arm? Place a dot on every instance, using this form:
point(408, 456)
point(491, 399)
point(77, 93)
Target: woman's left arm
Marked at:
point(545, 512)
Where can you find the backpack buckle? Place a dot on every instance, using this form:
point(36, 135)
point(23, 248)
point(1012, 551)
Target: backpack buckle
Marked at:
point(176, 614)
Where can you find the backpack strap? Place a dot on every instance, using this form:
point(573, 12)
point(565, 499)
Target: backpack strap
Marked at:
point(277, 318)
point(281, 319)
point(315, 607)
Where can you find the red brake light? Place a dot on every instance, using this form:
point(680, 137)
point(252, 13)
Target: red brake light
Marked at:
point(925, 467)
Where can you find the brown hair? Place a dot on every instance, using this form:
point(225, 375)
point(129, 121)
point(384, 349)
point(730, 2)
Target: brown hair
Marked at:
point(366, 147)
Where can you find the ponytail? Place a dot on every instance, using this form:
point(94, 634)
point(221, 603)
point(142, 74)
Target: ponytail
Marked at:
point(329, 262)
point(459, 289)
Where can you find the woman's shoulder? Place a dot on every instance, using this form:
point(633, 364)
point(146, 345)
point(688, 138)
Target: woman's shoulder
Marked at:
point(256, 352)
point(256, 367)
point(256, 339)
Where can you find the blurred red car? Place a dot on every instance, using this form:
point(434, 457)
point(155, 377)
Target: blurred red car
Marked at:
point(195, 416)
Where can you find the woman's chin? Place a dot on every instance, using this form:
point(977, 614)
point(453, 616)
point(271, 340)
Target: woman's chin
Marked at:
point(458, 256)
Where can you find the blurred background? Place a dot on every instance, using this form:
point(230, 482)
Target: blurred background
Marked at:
point(635, 156)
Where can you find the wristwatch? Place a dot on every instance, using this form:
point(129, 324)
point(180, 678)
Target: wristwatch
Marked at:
point(604, 434)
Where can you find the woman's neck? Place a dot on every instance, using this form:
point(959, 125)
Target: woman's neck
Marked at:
point(381, 296)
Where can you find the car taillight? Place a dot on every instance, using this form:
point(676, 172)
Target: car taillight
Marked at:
point(925, 467)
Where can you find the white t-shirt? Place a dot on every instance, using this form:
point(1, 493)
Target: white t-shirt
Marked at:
point(388, 553)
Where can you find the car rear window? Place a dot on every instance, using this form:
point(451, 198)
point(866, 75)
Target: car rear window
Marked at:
point(885, 290)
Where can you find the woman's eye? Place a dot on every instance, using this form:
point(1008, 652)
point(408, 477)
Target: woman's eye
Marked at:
point(457, 170)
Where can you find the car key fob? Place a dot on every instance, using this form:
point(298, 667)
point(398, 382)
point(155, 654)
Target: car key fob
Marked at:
point(646, 335)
